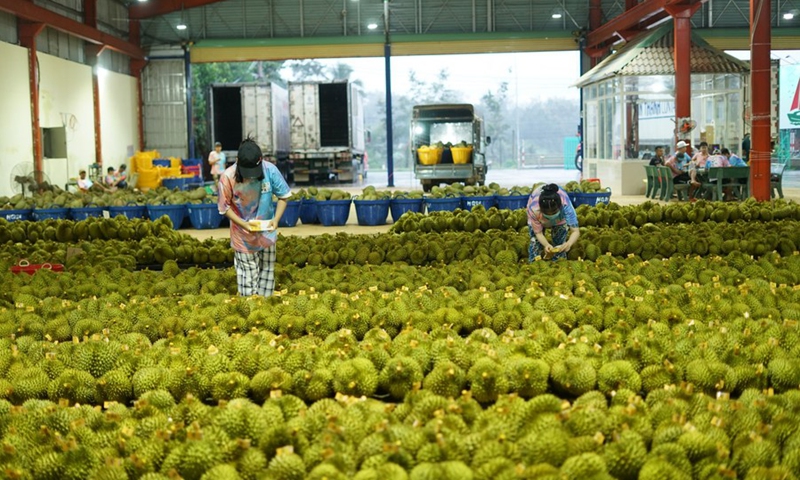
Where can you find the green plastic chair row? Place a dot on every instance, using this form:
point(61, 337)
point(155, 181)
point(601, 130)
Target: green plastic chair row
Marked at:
point(661, 186)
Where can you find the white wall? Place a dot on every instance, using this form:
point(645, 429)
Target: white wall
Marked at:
point(16, 137)
point(119, 128)
point(65, 99)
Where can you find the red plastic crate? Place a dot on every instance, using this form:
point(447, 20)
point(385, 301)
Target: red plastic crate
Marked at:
point(25, 267)
point(192, 170)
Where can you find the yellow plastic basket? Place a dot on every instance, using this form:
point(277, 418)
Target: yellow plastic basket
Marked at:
point(430, 156)
point(461, 154)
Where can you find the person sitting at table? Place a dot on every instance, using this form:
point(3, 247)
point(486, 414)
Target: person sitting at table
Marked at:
point(733, 159)
point(698, 161)
point(679, 165)
point(657, 160)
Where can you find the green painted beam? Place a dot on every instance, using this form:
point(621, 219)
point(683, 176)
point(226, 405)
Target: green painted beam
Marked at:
point(377, 39)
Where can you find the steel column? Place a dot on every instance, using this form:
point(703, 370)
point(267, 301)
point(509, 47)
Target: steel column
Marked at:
point(760, 85)
point(387, 59)
point(27, 38)
point(187, 59)
point(93, 59)
point(90, 13)
point(595, 20)
point(137, 66)
point(682, 15)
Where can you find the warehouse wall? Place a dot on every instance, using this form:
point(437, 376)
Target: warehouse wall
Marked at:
point(16, 139)
point(65, 91)
point(118, 108)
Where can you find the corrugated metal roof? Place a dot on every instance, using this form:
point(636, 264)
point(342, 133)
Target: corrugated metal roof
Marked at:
point(8, 28)
point(652, 54)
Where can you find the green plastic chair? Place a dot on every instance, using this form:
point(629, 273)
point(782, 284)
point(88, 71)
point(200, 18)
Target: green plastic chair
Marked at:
point(776, 179)
point(653, 183)
point(668, 186)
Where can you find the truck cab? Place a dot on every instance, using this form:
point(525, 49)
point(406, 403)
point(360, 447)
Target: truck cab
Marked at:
point(456, 135)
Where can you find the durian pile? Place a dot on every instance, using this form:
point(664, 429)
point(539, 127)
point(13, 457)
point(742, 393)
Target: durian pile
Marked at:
point(614, 369)
point(402, 194)
point(661, 350)
point(17, 202)
point(322, 194)
point(609, 215)
point(584, 186)
point(370, 193)
point(58, 198)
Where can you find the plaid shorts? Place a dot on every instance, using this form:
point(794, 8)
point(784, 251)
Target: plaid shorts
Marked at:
point(536, 249)
point(255, 272)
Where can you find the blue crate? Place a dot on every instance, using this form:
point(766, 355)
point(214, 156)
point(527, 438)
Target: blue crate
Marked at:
point(512, 202)
point(16, 215)
point(176, 213)
point(468, 202)
point(399, 206)
point(291, 214)
point(82, 213)
point(191, 162)
point(204, 215)
point(54, 213)
point(590, 199)
point(128, 211)
point(448, 204)
point(173, 183)
point(308, 211)
point(333, 212)
point(162, 162)
point(372, 212)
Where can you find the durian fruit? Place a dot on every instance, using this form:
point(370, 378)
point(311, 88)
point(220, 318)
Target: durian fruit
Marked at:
point(617, 375)
point(549, 446)
point(356, 377)
point(573, 375)
point(399, 376)
point(446, 379)
point(527, 376)
point(625, 455)
point(287, 466)
point(487, 380)
point(585, 465)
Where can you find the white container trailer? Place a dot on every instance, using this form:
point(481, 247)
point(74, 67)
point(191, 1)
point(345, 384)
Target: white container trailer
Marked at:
point(261, 111)
point(327, 131)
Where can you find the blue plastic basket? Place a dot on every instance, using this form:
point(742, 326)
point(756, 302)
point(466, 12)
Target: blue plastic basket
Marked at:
point(83, 213)
point(442, 204)
point(191, 162)
point(176, 213)
point(372, 212)
point(590, 199)
point(291, 214)
point(54, 213)
point(173, 183)
point(399, 206)
point(204, 215)
point(468, 202)
point(333, 212)
point(129, 211)
point(162, 162)
point(14, 215)
point(512, 202)
point(308, 211)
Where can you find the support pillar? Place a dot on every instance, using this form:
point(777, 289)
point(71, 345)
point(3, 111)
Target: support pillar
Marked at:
point(682, 15)
point(595, 20)
point(137, 65)
point(92, 53)
point(387, 58)
point(760, 85)
point(28, 32)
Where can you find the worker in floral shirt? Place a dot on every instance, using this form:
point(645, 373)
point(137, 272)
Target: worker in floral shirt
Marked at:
point(549, 207)
point(245, 197)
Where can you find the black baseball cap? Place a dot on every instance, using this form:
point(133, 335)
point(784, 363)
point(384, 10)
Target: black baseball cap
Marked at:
point(249, 160)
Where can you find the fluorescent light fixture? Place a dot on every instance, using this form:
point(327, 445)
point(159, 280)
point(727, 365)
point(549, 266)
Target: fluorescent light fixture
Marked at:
point(372, 26)
point(181, 26)
point(142, 1)
point(788, 16)
point(556, 15)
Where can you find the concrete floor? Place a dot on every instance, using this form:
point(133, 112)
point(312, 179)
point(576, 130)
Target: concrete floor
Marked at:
point(505, 178)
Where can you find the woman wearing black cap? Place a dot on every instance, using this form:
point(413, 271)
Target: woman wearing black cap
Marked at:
point(245, 197)
point(549, 207)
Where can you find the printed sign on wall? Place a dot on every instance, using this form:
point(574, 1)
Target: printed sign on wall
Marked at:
point(790, 97)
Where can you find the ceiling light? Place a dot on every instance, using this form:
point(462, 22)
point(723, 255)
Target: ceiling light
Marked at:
point(142, 1)
point(788, 16)
point(556, 15)
point(372, 26)
point(181, 26)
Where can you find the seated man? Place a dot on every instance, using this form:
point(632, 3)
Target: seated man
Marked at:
point(733, 159)
point(657, 160)
point(85, 183)
point(122, 176)
point(680, 164)
point(110, 179)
